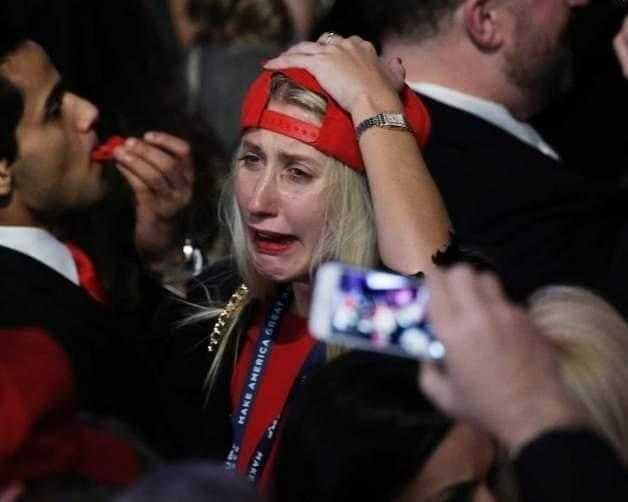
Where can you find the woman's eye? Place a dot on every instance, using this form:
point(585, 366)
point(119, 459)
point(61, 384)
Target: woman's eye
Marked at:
point(249, 160)
point(298, 174)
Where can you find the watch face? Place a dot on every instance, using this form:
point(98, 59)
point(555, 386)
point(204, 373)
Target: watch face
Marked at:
point(394, 120)
point(386, 120)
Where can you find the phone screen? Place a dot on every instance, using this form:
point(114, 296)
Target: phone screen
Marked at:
point(373, 310)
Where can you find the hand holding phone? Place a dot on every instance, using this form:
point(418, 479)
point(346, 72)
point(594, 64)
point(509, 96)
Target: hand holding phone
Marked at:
point(372, 310)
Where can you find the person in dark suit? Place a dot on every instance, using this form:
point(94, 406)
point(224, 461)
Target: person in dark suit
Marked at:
point(556, 453)
point(46, 171)
point(484, 69)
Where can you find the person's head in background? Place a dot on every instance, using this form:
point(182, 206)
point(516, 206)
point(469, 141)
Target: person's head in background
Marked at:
point(361, 430)
point(190, 482)
point(277, 22)
point(235, 36)
point(304, 15)
point(47, 135)
point(515, 53)
point(591, 340)
point(242, 21)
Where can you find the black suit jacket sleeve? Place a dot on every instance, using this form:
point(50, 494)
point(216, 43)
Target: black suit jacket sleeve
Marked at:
point(534, 219)
point(571, 466)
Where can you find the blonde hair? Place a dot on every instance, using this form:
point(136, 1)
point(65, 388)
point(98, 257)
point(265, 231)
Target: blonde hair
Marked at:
point(591, 338)
point(349, 233)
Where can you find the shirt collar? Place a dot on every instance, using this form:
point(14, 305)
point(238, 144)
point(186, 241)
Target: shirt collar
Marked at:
point(490, 111)
point(41, 246)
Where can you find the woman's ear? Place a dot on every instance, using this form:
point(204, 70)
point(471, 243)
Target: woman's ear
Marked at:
point(481, 20)
point(6, 180)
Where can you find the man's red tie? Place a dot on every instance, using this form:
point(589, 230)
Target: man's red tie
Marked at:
point(88, 277)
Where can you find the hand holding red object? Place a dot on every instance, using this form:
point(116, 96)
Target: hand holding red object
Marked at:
point(105, 150)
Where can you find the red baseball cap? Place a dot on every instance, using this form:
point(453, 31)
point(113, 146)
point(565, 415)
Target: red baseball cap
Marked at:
point(336, 136)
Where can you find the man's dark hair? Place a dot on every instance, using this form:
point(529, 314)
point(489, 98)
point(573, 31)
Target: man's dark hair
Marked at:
point(359, 430)
point(406, 18)
point(11, 100)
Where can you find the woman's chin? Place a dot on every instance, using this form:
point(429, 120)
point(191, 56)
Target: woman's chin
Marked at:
point(277, 271)
point(278, 276)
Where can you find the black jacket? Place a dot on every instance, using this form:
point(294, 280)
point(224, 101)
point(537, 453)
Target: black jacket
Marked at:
point(107, 348)
point(570, 466)
point(535, 219)
point(196, 423)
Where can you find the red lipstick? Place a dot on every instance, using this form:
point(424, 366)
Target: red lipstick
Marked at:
point(271, 242)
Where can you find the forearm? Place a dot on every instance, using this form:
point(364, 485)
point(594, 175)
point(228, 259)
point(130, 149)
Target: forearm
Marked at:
point(410, 215)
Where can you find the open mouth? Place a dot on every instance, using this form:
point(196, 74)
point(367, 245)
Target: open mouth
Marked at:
point(271, 242)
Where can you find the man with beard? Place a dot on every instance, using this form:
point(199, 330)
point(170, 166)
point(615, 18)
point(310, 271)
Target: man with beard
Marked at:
point(483, 68)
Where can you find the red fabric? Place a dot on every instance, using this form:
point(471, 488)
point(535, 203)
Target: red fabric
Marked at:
point(336, 137)
point(288, 355)
point(35, 378)
point(40, 432)
point(69, 446)
point(289, 126)
point(88, 276)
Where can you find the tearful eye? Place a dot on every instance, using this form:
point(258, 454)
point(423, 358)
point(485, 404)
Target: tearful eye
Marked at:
point(249, 160)
point(299, 174)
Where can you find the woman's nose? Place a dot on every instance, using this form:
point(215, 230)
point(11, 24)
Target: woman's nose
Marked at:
point(265, 197)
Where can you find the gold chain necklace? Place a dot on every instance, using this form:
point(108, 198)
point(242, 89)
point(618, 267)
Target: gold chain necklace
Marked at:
point(218, 332)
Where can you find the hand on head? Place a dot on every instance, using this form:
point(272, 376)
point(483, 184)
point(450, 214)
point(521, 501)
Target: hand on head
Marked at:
point(348, 69)
point(499, 373)
point(620, 43)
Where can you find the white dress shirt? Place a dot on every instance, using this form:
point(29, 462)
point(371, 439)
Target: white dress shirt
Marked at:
point(492, 112)
point(42, 246)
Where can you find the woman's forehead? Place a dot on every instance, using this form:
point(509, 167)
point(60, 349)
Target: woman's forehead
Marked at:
point(277, 144)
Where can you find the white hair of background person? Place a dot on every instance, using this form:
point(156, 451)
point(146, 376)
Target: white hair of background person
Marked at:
point(591, 339)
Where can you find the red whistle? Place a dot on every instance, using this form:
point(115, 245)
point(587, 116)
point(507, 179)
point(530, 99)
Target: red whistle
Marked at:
point(105, 150)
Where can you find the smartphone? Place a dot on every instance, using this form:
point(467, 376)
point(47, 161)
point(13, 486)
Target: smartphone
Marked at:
point(373, 310)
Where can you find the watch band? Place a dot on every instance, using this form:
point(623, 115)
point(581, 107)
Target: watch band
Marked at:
point(385, 120)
